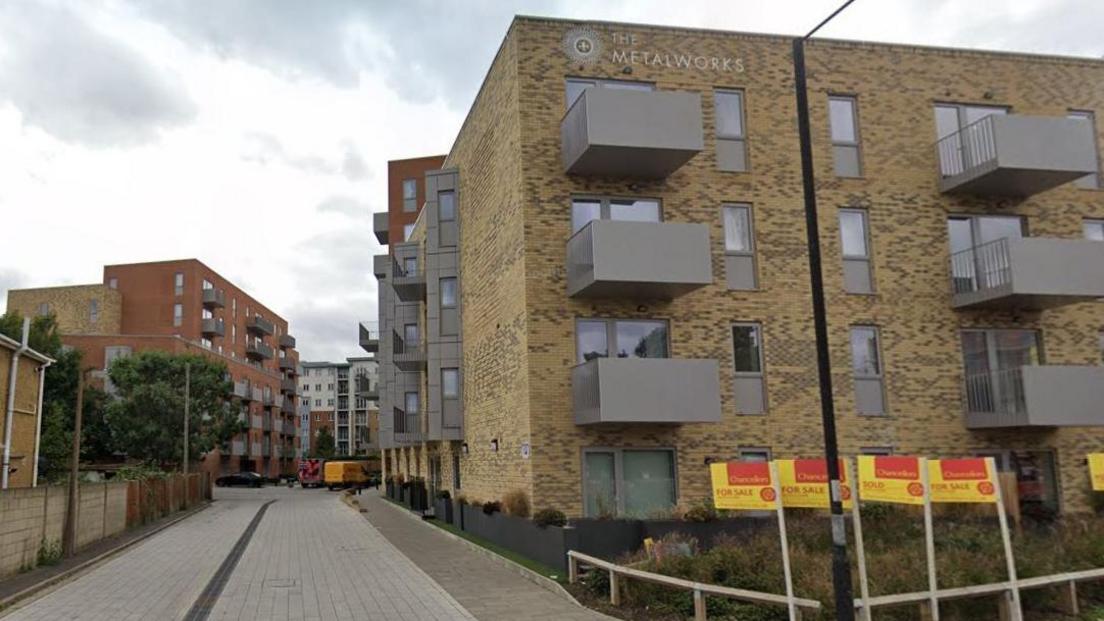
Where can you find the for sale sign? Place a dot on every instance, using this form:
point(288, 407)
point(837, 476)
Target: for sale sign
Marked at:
point(743, 486)
point(961, 480)
point(891, 479)
point(805, 483)
point(1096, 471)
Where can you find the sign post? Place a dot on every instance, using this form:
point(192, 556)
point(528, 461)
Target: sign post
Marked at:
point(1017, 611)
point(860, 551)
point(929, 538)
point(754, 486)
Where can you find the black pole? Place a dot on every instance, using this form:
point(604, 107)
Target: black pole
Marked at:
point(841, 566)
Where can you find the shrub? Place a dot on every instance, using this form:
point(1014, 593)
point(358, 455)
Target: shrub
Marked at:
point(139, 472)
point(549, 517)
point(491, 507)
point(49, 552)
point(444, 494)
point(516, 503)
point(703, 512)
point(462, 499)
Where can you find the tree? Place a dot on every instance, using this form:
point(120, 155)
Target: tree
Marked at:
point(147, 415)
point(59, 398)
point(324, 444)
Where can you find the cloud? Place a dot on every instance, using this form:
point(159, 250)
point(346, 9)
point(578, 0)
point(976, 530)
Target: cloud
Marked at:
point(265, 149)
point(80, 85)
point(345, 205)
point(354, 167)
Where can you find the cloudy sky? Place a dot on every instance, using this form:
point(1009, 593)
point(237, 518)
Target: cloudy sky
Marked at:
point(254, 134)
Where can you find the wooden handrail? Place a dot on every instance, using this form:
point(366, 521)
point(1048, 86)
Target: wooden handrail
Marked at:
point(699, 589)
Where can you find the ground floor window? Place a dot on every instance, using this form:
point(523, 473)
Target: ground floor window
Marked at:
point(455, 471)
point(628, 482)
point(1036, 478)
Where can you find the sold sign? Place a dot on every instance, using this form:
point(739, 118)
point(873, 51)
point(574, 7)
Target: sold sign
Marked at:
point(893, 479)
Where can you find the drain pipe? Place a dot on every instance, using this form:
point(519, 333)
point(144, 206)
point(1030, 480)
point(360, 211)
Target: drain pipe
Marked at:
point(41, 415)
point(9, 412)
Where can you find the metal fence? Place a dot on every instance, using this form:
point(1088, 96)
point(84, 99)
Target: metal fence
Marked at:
point(998, 391)
point(967, 149)
point(983, 267)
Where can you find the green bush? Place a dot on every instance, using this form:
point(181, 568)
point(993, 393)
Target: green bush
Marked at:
point(549, 517)
point(49, 552)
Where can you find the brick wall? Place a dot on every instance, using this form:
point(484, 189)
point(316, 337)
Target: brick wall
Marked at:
point(73, 307)
point(24, 416)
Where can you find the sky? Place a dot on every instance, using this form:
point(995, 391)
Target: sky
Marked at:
point(254, 135)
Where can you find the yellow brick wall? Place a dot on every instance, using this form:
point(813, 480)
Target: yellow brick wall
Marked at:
point(71, 304)
point(518, 323)
point(24, 418)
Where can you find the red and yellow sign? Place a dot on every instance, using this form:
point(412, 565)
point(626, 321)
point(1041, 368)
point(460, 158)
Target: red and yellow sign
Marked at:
point(961, 480)
point(804, 483)
point(1096, 471)
point(743, 485)
point(891, 479)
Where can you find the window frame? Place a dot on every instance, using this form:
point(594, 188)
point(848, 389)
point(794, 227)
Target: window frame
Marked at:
point(742, 138)
point(611, 334)
point(758, 332)
point(408, 230)
point(178, 315)
point(93, 310)
point(455, 291)
point(440, 212)
point(604, 211)
point(410, 203)
point(598, 83)
point(865, 220)
point(742, 453)
point(619, 472)
point(855, 373)
point(747, 208)
point(178, 283)
point(856, 142)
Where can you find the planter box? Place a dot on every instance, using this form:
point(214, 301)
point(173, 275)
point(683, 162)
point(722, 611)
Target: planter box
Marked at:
point(608, 539)
point(547, 545)
point(442, 508)
point(706, 533)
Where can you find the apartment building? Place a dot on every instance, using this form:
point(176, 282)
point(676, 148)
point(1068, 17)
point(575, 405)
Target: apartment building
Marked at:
point(607, 287)
point(185, 306)
point(343, 397)
point(22, 378)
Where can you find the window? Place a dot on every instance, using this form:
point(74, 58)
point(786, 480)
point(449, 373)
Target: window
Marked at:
point(306, 387)
point(595, 338)
point(234, 306)
point(93, 311)
point(205, 342)
point(739, 240)
point(975, 265)
point(178, 283)
point(178, 314)
point(1089, 181)
point(410, 334)
point(317, 387)
point(628, 482)
point(450, 383)
point(233, 334)
point(456, 471)
point(207, 314)
point(329, 386)
point(1094, 229)
point(583, 210)
point(410, 266)
point(318, 403)
point(844, 122)
point(411, 403)
point(756, 454)
point(854, 243)
point(207, 285)
point(410, 195)
point(448, 292)
point(747, 354)
point(574, 87)
point(992, 360)
point(317, 418)
point(959, 141)
point(446, 206)
point(330, 403)
point(731, 135)
point(866, 366)
point(113, 283)
point(881, 451)
point(44, 309)
point(407, 230)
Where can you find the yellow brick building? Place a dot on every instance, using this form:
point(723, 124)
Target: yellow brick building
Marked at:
point(80, 309)
point(633, 282)
point(24, 410)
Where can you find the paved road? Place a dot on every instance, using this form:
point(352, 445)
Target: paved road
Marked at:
point(310, 557)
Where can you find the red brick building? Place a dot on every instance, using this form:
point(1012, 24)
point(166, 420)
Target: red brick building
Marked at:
point(185, 306)
point(405, 196)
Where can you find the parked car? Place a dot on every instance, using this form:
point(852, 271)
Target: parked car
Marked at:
point(241, 479)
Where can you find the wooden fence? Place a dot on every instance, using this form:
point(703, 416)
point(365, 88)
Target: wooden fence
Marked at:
point(617, 572)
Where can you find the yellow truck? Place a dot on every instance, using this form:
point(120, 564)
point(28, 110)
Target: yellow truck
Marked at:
point(342, 474)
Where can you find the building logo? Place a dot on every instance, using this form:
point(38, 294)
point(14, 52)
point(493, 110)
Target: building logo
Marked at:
point(582, 45)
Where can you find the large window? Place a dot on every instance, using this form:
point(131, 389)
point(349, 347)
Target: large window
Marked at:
point(737, 229)
point(866, 367)
point(410, 195)
point(178, 315)
point(747, 355)
point(574, 87)
point(626, 338)
point(739, 244)
point(411, 403)
point(448, 292)
point(1088, 181)
point(583, 210)
point(993, 360)
point(93, 310)
point(855, 247)
point(450, 383)
point(446, 206)
point(410, 335)
point(728, 107)
point(628, 482)
point(844, 122)
point(178, 283)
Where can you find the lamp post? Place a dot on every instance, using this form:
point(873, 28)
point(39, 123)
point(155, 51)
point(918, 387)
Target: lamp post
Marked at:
point(841, 567)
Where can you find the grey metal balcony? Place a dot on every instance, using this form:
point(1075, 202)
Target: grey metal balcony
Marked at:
point(255, 422)
point(364, 388)
point(243, 390)
point(1031, 273)
point(288, 406)
point(646, 390)
point(651, 260)
point(214, 298)
point(255, 449)
point(260, 325)
point(268, 399)
point(407, 356)
point(258, 351)
point(381, 224)
point(212, 327)
point(287, 386)
point(1015, 155)
point(287, 341)
point(381, 265)
point(1036, 396)
point(286, 363)
point(368, 343)
point(407, 427)
point(626, 133)
point(409, 285)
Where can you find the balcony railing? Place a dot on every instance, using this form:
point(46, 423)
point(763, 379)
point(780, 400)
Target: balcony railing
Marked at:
point(1030, 273)
point(258, 351)
point(260, 325)
point(381, 223)
point(214, 298)
point(1015, 155)
point(407, 357)
point(1035, 396)
point(212, 326)
point(287, 386)
point(407, 427)
point(368, 342)
point(243, 390)
point(286, 363)
point(287, 341)
point(409, 284)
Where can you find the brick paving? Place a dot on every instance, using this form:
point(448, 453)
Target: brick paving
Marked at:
point(487, 589)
